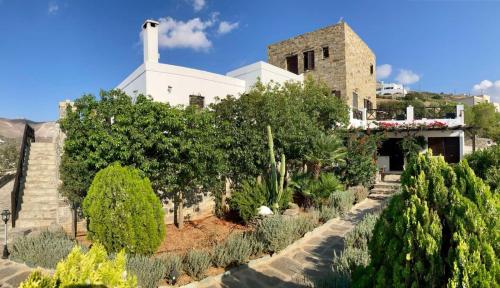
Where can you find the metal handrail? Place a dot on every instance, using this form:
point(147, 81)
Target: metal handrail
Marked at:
point(28, 137)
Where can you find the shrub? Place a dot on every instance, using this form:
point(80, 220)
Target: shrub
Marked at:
point(173, 267)
point(360, 193)
point(44, 249)
point(360, 167)
point(342, 201)
point(441, 231)
point(234, 251)
point(326, 213)
point(319, 190)
point(359, 236)
point(196, 262)
point(93, 268)
point(123, 212)
point(276, 232)
point(247, 199)
point(149, 271)
point(486, 163)
point(256, 245)
point(303, 224)
point(37, 280)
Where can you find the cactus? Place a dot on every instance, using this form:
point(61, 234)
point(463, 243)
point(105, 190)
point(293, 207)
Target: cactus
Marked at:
point(276, 187)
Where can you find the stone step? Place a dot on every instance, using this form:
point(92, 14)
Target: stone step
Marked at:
point(41, 157)
point(42, 152)
point(40, 214)
point(387, 185)
point(42, 166)
point(33, 185)
point(34, 223)
point(41, 173)
point(37, 198)
point(40, 191)
point(47, 161)
point(42, 206)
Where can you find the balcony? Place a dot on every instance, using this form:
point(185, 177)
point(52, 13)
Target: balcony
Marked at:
point(428, 117)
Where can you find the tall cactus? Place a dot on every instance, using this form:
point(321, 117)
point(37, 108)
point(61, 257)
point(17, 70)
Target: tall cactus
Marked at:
point(276, 187)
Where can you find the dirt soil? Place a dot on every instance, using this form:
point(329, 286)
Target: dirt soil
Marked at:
point(199, 234)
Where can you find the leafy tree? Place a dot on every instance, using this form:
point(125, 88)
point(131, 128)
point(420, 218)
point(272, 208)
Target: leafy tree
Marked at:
point(484, 119)
point(123, 212)
point(441, 231)
point(298, 114)
point(486, 164)
point(328, 151)
point(360, 166)
point(177, 148)
point(9, 152)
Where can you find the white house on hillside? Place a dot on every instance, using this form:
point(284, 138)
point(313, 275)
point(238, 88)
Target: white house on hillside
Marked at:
point(179, 85)
point(390, 89)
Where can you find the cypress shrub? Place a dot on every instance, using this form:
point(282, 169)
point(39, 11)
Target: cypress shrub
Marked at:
point(123, 212)
point(442, 230)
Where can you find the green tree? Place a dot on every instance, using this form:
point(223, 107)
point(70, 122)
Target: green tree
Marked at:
point(327, 152)
point(297, 113)
point(9, 152)
point(484, 120)
point(123, 212)
point(486, 164)
point(441, 231)
point(177, 148)
point(360, 166)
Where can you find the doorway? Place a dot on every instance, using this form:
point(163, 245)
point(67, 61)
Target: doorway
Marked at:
point(392, 148)
point(292, 64)
point(449, 147)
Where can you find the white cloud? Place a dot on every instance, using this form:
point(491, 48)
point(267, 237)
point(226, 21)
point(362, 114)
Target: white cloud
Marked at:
point(407, 77)
point(226, 27)
point(198, 5)
point(384, 71)
point(179, 34)
point(53, 8)
point(489, 88)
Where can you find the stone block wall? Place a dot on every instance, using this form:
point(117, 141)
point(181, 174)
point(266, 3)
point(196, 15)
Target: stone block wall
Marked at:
point(347, 69)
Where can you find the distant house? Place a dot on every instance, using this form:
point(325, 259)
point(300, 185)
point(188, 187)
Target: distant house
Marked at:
point(470, 100)
point(391, 89)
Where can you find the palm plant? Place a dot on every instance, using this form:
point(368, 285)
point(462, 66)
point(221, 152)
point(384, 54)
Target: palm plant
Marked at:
point(328, 151)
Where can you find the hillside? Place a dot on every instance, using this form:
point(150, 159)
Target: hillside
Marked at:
point(14, 128)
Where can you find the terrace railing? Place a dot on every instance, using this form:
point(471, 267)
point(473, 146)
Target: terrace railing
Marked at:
point(357, 114)
point(441, 112)
point(386, 114)
point(22, 164)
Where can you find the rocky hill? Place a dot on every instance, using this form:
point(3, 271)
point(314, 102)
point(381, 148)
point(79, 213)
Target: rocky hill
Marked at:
point(14, 128)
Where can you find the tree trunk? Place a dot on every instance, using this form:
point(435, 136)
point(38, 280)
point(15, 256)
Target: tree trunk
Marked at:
point(315, 170)
point(473, 142)
point(74, 221)
point(178, 213)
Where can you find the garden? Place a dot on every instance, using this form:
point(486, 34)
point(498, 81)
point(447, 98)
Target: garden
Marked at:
point(278, 163)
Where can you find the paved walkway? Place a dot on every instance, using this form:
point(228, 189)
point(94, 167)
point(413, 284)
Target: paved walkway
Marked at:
point(310, 256)
point(12, 273)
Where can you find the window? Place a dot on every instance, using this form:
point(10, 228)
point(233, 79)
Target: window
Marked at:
point(197, 100)
point(309, 60)
point(371, 69)
point(326, 52)
point(354, 100)
point(368, 104)
point(336, 93)
point(292, 64)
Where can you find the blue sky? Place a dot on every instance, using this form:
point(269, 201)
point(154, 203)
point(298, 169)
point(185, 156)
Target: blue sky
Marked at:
point(51, 50)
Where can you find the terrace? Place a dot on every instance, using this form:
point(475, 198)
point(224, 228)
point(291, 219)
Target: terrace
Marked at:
point(411, 117)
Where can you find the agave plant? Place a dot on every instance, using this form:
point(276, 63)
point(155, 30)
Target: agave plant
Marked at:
point(328, 151)
point(276, 186)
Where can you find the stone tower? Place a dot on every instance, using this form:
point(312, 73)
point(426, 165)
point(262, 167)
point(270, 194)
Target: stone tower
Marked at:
point(335, 55)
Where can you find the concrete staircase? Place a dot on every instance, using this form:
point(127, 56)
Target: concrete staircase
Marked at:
point(39, 200)
point(390, 185)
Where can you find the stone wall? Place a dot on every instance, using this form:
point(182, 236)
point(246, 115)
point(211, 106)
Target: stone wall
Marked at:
point(347, 69)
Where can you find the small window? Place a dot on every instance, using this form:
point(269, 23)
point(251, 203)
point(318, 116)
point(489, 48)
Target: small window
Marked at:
point(326, 52)
point(371, 69)
point(197, 100)
point(368, 104)
point(292, 64)
point(309, 60)
point(336, 93)
point(354, 100)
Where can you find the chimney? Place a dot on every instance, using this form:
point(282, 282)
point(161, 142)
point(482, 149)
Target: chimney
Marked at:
point(150, 41)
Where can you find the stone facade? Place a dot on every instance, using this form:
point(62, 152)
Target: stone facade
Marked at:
point(341, 59)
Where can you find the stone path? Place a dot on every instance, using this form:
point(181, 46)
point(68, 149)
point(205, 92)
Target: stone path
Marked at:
point(12, 273)
point(310, 256)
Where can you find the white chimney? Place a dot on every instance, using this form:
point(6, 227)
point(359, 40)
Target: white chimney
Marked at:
point(150, 38)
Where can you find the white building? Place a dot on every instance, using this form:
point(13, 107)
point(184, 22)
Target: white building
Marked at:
point(390, 89)
point(184, 86)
